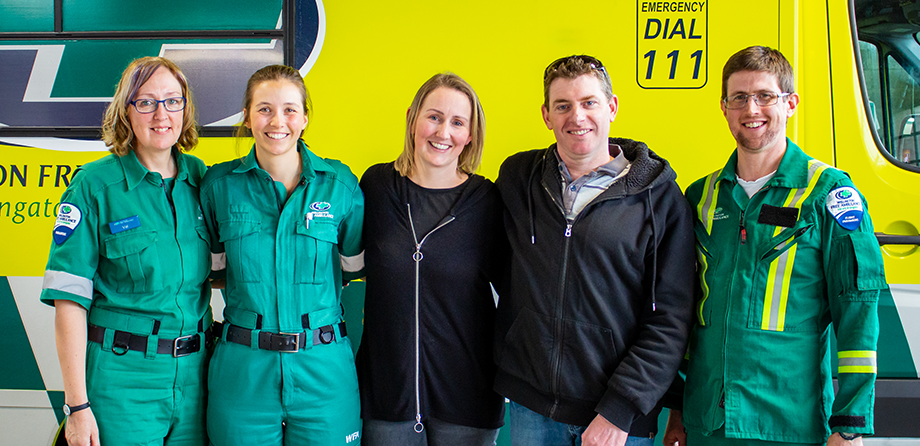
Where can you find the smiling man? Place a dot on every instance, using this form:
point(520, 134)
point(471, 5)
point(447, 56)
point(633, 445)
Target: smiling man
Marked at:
point(785, 247)
point(593, 319)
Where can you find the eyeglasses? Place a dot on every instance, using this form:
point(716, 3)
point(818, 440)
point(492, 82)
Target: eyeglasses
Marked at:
point(763, 99)
point(592, 62)
point(150, 105)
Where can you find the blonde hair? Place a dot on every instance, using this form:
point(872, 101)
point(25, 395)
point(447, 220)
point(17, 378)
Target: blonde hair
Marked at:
point(117, 133)
point(471, 156)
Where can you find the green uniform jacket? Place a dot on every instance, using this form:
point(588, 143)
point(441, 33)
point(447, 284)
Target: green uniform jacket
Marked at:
point(775, 271)
point(123, 245)
point(284, 255)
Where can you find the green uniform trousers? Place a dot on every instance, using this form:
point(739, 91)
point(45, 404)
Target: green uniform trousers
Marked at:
point(269, 398)
point(141, 401)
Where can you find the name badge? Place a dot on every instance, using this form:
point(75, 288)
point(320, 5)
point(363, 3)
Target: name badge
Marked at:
point(125, 224)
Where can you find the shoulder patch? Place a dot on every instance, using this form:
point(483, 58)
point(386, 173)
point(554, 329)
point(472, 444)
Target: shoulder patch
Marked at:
point(846, 207)
point(68, 218)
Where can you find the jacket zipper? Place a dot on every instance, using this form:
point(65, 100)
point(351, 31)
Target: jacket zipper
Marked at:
point(557, 321)
point(417, 256)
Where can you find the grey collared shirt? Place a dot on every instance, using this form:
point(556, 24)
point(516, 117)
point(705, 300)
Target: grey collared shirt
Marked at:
point(578, 193)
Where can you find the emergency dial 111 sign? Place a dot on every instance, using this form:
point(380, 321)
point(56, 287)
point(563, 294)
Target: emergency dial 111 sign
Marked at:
point(672, 44)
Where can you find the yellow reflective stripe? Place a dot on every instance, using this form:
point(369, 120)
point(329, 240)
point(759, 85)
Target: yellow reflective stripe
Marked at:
point(776, 296)
point(784, 295)
point(706, 208)
point(777, 293)
point(704, 265)
point(857, 361)
point(857, 369)
point(856, 354)
point(797, 196)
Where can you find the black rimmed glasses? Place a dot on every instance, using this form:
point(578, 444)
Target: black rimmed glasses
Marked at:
point(763, 99)
point(150, 105)
point(592, 62)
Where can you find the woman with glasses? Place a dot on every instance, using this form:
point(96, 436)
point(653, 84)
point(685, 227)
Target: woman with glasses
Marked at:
point(434, 242)
point(289, 223)
point(130, 249)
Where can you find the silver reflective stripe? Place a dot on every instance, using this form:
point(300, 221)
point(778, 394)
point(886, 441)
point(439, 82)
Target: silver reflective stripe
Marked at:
point(353, 263)
point(870, 362)
point(218, 261)
point(68, 283)
point(776, 300)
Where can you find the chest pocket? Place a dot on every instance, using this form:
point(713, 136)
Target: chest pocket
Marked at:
point(776, 285)
point(241, 243)
point(134, 252)
point(315, 251)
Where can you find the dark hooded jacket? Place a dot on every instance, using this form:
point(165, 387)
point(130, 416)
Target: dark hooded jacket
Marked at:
point(456, 309)
point(595, 315)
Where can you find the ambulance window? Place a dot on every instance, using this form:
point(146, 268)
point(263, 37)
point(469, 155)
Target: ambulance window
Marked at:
point(905, 113)
point(869, 54)
point(889, 53)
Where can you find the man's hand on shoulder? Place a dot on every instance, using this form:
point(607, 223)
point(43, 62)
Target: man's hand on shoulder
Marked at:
point(836, 440)
point(603, 433)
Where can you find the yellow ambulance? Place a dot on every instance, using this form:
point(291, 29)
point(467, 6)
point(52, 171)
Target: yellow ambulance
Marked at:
point(857, 69)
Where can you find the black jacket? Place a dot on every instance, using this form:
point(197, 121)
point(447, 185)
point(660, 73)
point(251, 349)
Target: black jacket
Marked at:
point(456, 307)
point(595, 322)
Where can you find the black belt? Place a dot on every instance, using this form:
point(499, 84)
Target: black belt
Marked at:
point(284, 342)
point(177, 347)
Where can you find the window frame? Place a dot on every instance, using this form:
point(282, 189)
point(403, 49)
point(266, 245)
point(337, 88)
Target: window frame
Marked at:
point(286, 35)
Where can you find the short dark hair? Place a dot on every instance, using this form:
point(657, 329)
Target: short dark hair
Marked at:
point(572, 67)
point(760, 58)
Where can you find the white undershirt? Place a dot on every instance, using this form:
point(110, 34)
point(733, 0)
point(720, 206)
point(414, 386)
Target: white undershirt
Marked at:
point(751, 187)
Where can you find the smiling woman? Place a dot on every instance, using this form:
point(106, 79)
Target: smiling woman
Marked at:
point(290, 224)
point(434, 241)
point(127, 272)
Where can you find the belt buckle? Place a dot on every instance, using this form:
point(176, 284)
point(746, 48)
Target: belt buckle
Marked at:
point(296, 342)
point(175, 349)
point(326, 334)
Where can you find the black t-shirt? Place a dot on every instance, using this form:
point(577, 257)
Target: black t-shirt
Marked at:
point(431, 206)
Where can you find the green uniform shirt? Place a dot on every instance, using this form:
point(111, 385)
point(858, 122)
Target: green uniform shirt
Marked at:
point(284, 255)
point(775, 271)
point(123, 244)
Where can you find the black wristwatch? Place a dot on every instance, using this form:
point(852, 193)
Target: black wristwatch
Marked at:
point(69, 410)
point(849, 437)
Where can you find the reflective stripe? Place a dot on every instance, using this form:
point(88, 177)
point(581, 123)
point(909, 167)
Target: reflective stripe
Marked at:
point(857, 361)
point(705, 208)
point(353, 263)
point(704, 265)
point(68, 283)
point(797, 196)
point(218, 261)
point(777, 293)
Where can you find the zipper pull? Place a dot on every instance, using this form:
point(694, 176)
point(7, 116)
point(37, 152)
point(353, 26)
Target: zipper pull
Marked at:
point(743, 231)
point(418, 256)
point(419, 427)
point(568, 230)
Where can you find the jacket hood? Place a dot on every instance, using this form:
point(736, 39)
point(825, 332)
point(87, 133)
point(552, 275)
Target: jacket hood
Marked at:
point(647, 169)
